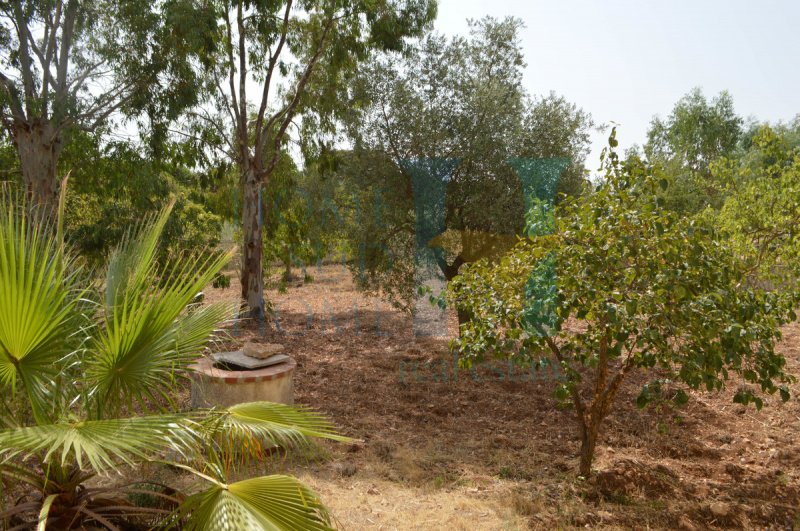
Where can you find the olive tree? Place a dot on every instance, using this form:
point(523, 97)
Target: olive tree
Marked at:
point(445, 139)
point(620, 285)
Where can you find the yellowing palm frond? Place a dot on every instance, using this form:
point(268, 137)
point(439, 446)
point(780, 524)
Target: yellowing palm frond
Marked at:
point(267, 503)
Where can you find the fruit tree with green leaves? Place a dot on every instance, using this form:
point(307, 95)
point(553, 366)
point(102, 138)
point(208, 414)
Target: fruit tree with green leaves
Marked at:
point(635, 288)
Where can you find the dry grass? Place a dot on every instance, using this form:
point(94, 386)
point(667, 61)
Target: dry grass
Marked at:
point(448, 450)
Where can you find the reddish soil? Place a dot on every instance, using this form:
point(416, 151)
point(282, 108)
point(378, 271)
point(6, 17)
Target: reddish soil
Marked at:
point(502, 448)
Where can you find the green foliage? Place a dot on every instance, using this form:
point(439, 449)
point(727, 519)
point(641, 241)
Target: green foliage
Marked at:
point(456, 103)
point(299, 228)
point(372, 212)
point(112, 187)
point(695, 134)
point(221, 281)
point(139, 52)
point(636, 288)
point(85, 355)
point(761, 214)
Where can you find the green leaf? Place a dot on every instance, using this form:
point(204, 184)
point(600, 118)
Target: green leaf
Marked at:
point(40, 305)
point(266, 503)
point(643, 399)
point(101, 444)
point(145, 334)
point(784, 392)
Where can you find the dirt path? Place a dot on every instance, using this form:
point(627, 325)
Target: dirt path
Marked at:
point(491, 449)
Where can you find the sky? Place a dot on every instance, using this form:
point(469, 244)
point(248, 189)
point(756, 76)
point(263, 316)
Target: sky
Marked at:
point(628, 60)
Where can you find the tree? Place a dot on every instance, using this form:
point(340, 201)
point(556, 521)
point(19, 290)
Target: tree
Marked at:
point(623, 285)
point(299, 226)
point(75, 361)
point(312, 47)
point(113, 186)
point(696, 133)
point(450, 131)
point(71, 65)
point(761, 213)
point(373, 210)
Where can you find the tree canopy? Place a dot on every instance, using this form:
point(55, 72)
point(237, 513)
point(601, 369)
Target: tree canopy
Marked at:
point(67, 65)
point(450, 127)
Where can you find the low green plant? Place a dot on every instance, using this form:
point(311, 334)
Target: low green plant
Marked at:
point(221, 281)
point(88, 374)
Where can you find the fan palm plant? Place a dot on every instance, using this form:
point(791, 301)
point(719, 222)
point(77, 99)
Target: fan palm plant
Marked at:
point(87, 370)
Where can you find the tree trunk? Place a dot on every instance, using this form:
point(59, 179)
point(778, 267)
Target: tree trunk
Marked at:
point(287, 267)
point(589, 432)
point(38, 149)
point(450, 271)
point(464, 316)
point(252, 273)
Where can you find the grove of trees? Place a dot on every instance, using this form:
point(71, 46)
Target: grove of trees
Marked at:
point(134, 134)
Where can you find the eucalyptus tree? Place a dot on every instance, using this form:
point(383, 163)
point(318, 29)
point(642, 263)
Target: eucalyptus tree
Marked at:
point(69, 65)
point(278, 60)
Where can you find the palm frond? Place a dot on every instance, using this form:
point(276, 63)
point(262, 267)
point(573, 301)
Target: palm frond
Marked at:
point(145, 335)
point(101, 444)
point(39, 316)
point(266, 503)
point(250, 429)
point(133, 260)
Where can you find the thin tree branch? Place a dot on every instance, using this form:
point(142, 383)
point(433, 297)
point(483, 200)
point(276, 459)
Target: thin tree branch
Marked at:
point(234, 104)
point(60, 102)
point(26, 67)
point(16, 105)
point(289, 110)
point(273, 60)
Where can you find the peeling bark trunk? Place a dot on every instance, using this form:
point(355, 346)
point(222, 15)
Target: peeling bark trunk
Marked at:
point(252, 274)
point(39, 148)
point(589, 433)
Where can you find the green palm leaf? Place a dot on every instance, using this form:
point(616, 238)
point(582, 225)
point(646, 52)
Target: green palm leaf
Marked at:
point(102, 444)
point(40, 318)
point(267, 503)
point(146, 335)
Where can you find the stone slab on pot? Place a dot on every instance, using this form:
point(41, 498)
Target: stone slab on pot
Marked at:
point(239, 359)
point(262, 350)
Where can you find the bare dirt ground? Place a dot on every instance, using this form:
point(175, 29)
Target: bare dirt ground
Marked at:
point(450, 449)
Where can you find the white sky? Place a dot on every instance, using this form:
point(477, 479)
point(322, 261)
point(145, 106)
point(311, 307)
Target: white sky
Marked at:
point(627, 60)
